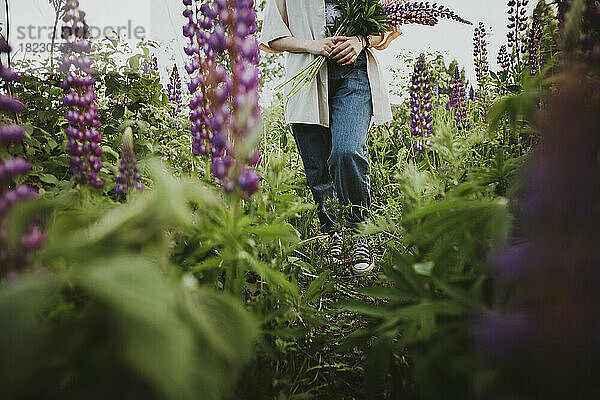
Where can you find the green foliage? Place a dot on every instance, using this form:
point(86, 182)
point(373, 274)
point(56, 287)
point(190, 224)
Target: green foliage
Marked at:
point(173, 292)
point(135, 327)
point(433, 292)
point(360, 17)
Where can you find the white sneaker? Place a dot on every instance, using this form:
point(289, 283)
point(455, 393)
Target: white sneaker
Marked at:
point(362, 259)
point(336, 244)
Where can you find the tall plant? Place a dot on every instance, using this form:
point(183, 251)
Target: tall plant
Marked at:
point(15, 246)
point(224, 86)
point(83, 139)
point(482, 67)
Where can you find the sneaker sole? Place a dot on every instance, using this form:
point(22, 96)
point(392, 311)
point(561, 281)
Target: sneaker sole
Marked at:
point(363, 272)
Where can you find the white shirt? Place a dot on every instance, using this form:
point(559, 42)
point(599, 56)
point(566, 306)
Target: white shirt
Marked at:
point(305, 19)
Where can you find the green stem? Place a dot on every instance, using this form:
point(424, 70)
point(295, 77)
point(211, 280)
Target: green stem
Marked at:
point(297, 76)
point(307, 74)
point(231, 253)
point(429, 162)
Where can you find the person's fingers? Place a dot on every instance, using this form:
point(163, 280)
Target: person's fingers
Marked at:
point(340, 47)
point(344, 53)
point(352, 61)
point(348, 57)
point(341, 38)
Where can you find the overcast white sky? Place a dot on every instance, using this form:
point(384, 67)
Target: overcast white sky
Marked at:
point(162, 21)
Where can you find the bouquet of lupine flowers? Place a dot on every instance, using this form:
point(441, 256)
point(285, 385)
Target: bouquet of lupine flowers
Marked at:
point(372, 17)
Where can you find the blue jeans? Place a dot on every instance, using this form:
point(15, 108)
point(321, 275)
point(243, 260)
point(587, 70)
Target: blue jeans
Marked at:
point(335, 159)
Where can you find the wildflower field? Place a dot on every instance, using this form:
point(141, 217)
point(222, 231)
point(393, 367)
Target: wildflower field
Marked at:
point(158, 239)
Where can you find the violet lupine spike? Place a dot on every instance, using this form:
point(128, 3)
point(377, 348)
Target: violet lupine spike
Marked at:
point(517, 27)
point(203, 60)
point(503, 59)
point(400, 12)
point(129, 177)
point(174, 93)
point(83, 139)
point(563, 8)
point(224, 106)
point(458, 103)
point(480, 55)
point(534, 46)
point(11, 195)
point(421, 121)
point(149, 65)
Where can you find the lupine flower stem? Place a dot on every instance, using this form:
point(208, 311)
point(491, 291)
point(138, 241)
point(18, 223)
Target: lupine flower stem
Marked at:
point(503, 59)
point(13, 256)
point(534, 46)
point(225, 100)
point(83, 139)
point(517, 26)
point(480, 54)
point(149, 65)
point(420, 104)
point(458, 103)
point(174, 93)
point(129, 177)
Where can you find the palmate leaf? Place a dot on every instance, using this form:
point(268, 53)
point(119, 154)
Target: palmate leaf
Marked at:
point(134, 334)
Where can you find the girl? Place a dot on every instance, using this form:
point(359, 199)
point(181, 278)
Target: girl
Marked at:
point(330, 117)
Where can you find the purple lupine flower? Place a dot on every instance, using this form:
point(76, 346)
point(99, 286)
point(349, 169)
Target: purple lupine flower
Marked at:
point(480, 55)
point(517, 27)
point(224, 105)
point(552, 268)
point(12, 258)
point(129, 175)
point(458, 102)
point(421, 121)
point(249, 181)
point(10, 104)
point(174, 93)
point(83, 139)
point(149, 66)
point(563, 8)
point(112, 100)
point(12, 168)
point(401, 12)
point(472, 93)
point(586, 46)
point(534, 46)
point(11, 134)
point(503, 59)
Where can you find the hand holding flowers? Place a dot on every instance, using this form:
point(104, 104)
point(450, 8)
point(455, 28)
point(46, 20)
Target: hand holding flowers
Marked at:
point(347, 49)
point(363, 18)
point(321, 47)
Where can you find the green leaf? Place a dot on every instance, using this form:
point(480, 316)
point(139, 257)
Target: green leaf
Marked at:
point(48, 178)
point(275, 232)
point(314, 289)
point(424, 268)
point(211, 263)
point(361, 307)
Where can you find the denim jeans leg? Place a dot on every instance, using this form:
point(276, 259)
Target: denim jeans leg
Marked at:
point(314, 147)
point(351, 109)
